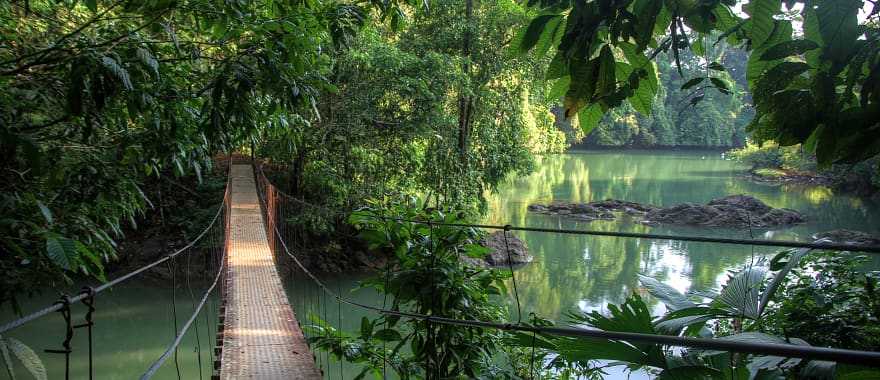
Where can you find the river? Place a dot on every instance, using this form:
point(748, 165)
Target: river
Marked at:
point(569, 272)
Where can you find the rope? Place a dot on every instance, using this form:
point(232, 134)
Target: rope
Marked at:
point(866, 358)
point(703, 239)
point(64, 308)
point(173, 346)
point(89, 301)
point(78, 298)
point(512, 274)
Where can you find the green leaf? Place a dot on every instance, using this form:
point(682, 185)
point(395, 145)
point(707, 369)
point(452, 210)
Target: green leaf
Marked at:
point(589, 118)
point(366, 328)
point(476, 251)
point(91, 4)
point(7, 360)
point(720, 84)
point(28, 358)
point(717, 66)
point(607, 81)
point(47, 214)
point(62, 252)
point(550, 36)
point(839, 26)
point(776, 79)
point(118, 71)
point(534, 30)
point(755, 66)
point(648, 11)
point(665, 293)
point(742, 291)
point(793, 260)
point(761, 23)
point(690, 372)
point(582, 350)
point(643, 96)
point(693, 82)
point(388, 335)
point(560, 86)
point(558, 67)
point(787, 49)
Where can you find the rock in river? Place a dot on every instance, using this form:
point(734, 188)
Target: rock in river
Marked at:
point(497, 256)
point(734, 211)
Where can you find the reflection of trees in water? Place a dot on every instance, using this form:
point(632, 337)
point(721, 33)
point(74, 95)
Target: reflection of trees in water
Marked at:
point(573, 270)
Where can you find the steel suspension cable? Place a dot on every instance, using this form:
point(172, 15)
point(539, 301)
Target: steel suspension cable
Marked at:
point(703, 239)
point(107, 285)
point(866, 358)
point(172, 348)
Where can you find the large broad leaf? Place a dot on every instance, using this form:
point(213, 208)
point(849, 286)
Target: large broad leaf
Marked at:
point(559, 88)
point(839, 26)
point(690, 372)
point(648, 11)
point(761, 23)
point(787, 49)
point(27, 357)
point(584, 75)
point(589, 118)
point(776, 79)
point(582, 350)
point(607, 81)
point(779, 277)
point(7, 359)
point(643, 96)
point(550, 36)
point(665, 293)
point(533, 32)
point(755, 66)
point(62, 252)
point(742, 293)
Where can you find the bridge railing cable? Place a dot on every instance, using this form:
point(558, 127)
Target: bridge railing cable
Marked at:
point(109, 284)
point(204, 242)
point(858, 357)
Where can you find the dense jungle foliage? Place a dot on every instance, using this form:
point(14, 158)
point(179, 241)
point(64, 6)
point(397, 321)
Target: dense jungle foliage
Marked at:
point(772, 162)
point(798, 297)
point(102, 101)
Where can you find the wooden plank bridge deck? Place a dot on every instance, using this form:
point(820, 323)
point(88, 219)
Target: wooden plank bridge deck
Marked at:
point(261, 339)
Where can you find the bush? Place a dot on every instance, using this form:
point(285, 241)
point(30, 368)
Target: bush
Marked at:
point(829, 300)
point(767, 155)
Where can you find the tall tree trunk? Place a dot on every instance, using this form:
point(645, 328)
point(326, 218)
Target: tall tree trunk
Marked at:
point(466, 100)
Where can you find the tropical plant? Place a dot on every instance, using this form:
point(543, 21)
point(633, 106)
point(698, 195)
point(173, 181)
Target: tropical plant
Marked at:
point(24, 354)
point(830, 299)
point(427, 276)
point(741, 311)
point(818, 88)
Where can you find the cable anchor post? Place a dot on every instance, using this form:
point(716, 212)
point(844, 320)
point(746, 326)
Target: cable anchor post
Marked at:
point(89, 301)
point(68, 336)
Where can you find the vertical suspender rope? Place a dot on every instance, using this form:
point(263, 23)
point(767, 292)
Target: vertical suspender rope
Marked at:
point(68, 336)
point(89, 301)
point(512, 275)
point(172, 268)
point(532, 359)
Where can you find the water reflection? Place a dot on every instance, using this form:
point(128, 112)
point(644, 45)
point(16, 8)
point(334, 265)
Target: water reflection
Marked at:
point(589, 272)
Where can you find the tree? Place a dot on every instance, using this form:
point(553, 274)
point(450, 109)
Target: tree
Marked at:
point(819, 88)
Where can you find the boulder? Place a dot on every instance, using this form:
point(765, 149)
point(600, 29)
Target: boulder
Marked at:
point(497, 256)
point(849, 237)
point(734, 211)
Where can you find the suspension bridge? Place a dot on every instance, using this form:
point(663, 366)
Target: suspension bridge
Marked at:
point(258, 334)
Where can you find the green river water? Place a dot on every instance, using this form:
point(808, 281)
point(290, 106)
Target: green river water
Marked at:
point(569, 272)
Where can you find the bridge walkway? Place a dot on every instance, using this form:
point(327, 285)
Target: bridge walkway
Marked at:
point(261, 338)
